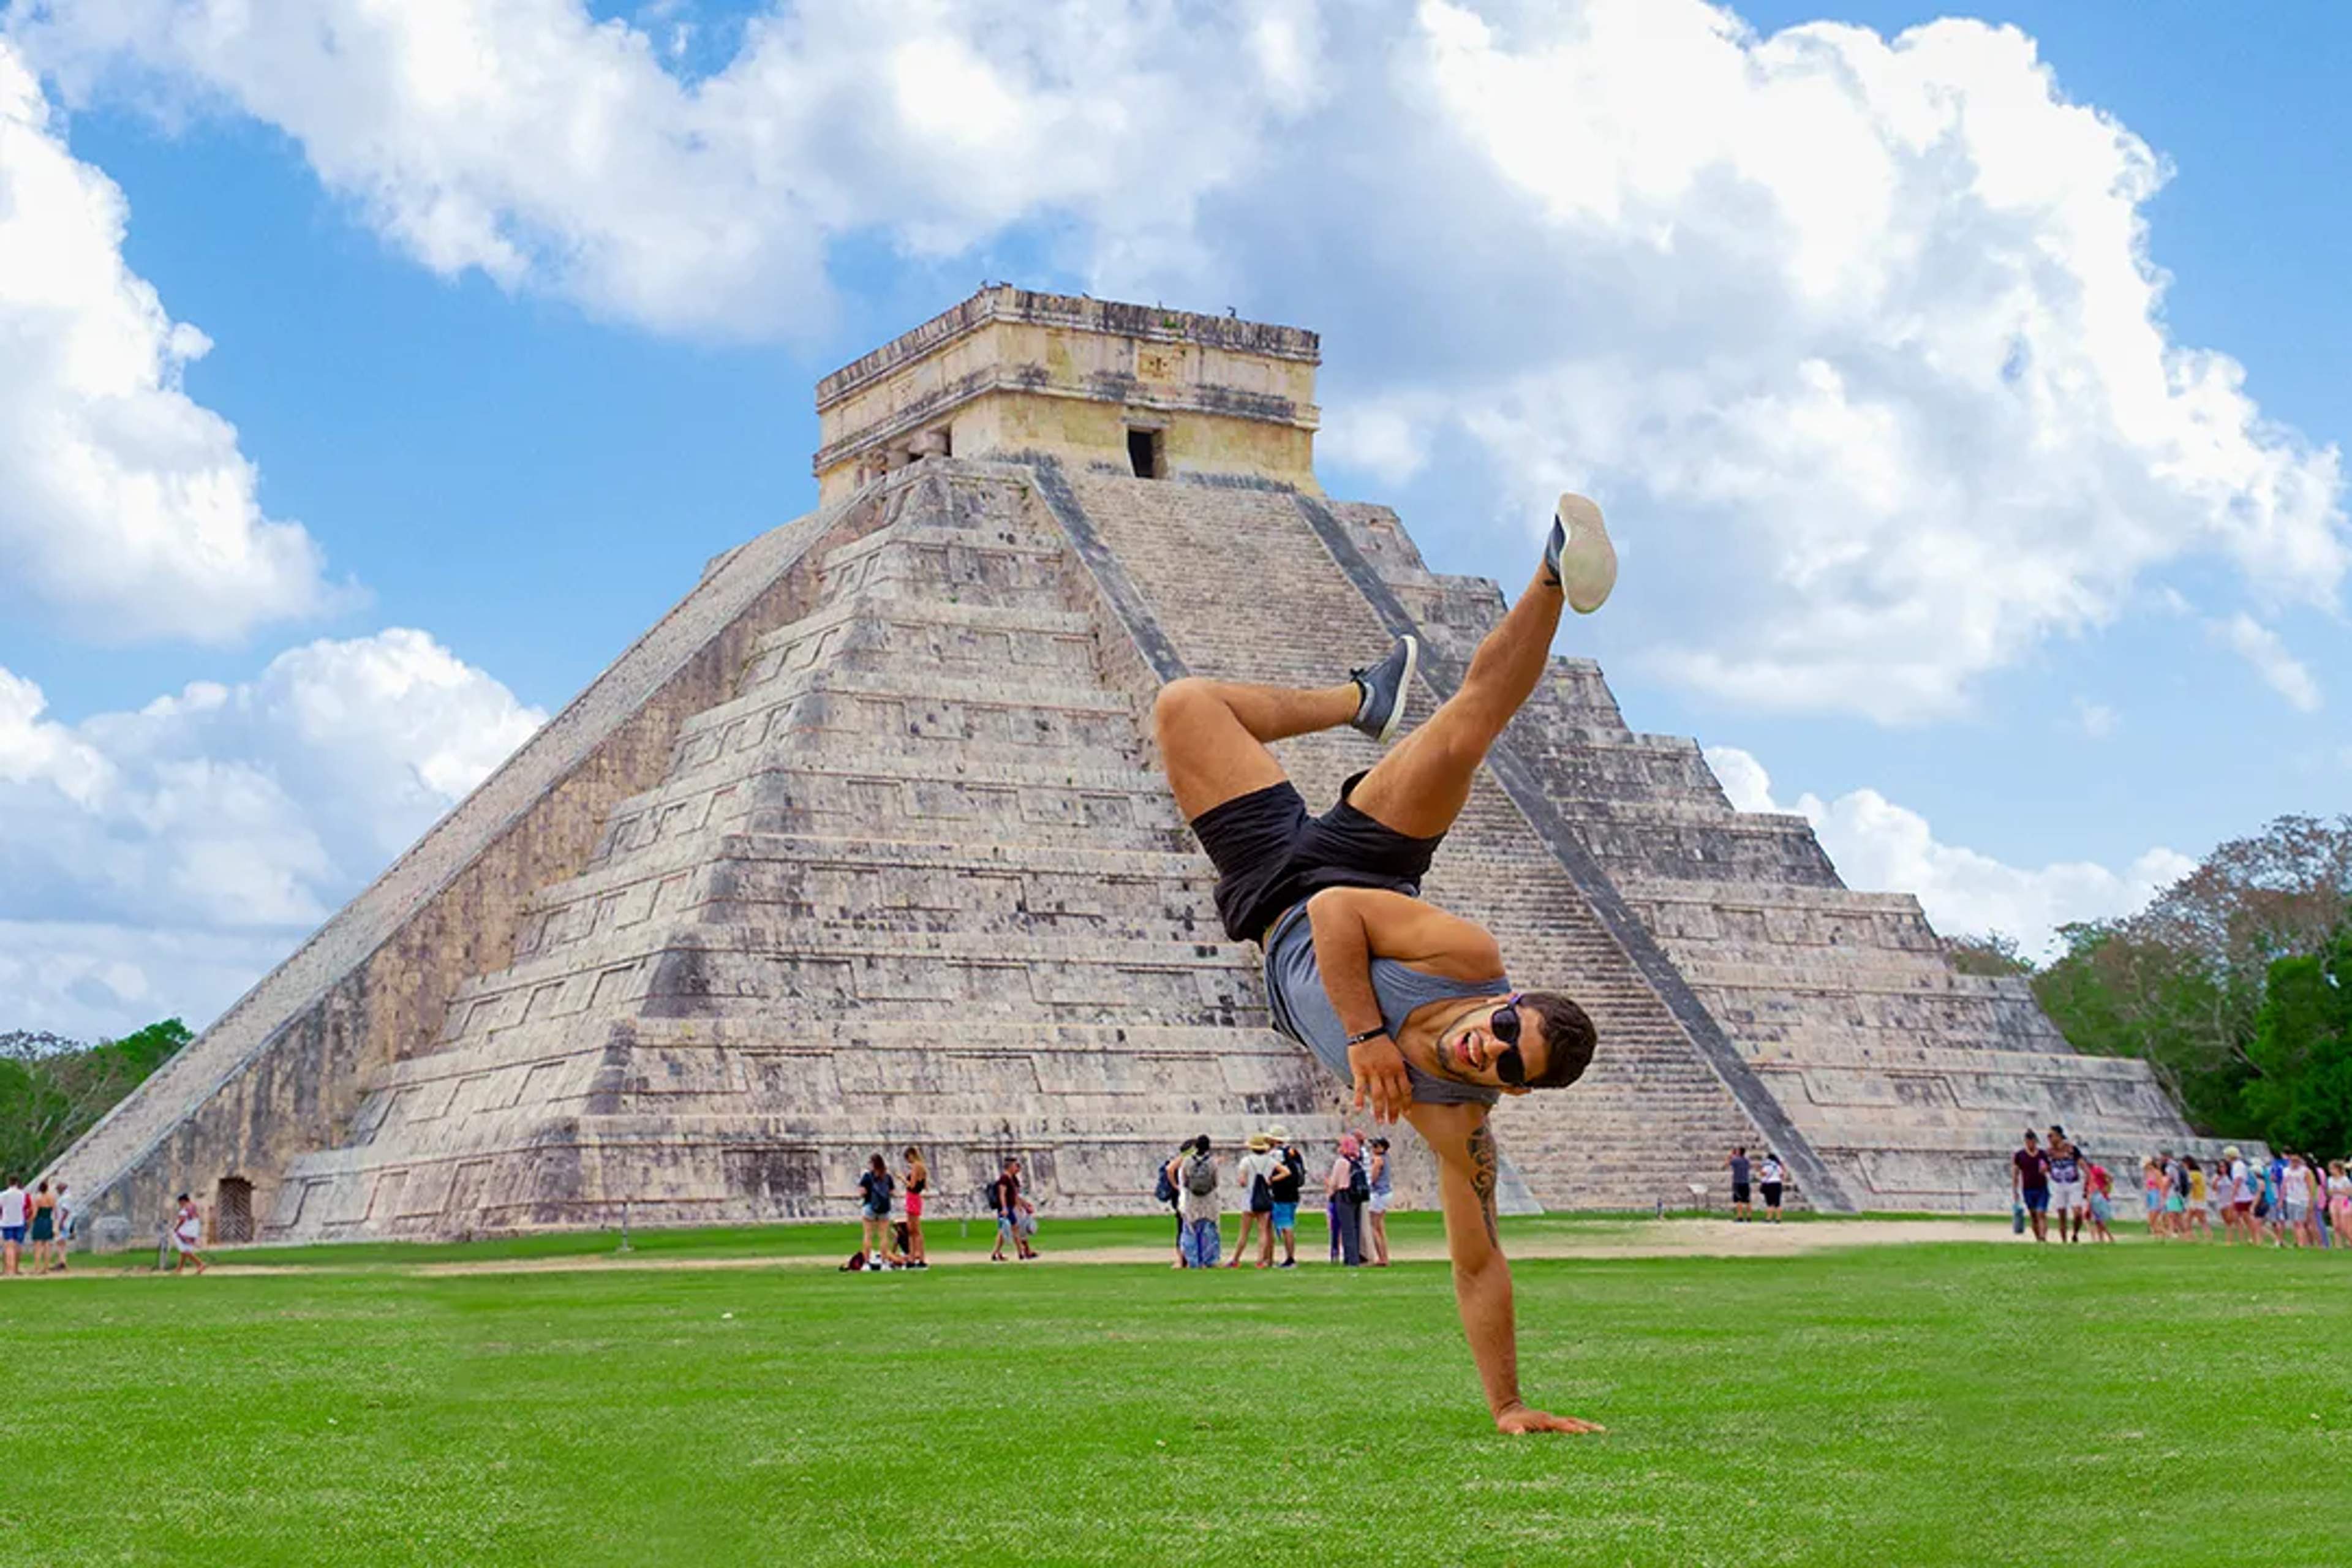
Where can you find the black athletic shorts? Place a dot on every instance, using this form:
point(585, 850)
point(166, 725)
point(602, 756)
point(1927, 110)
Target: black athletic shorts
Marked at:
point(1739, 1191)
point(1772, 1195)
point(1270, 854)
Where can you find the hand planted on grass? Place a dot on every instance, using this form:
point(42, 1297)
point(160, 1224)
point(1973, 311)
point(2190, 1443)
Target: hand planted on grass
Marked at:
point(1519, 1418)
point(1379, 1067)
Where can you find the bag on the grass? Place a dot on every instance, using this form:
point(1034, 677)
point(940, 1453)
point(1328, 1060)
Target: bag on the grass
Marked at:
point(856, 1262)
point(1359, 1189)
point(1201, 1176)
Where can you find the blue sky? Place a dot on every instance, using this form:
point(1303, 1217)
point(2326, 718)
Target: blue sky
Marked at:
point(474, 345)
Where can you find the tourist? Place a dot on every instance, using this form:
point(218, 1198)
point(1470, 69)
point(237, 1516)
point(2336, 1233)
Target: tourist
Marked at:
point(2151, 1187)
point(1249, 1173)
point(1195, 1175)
point(2066, 1204)
point(2272, 1207)
point(919, 1182)
point(2339, 1200)
point(1283, 1185)
point(187, 1234)
point(1345, 1188)
point(1165, 1189)
point(2176, 1195)
point(2100, 1185)
point(1004, 1197)
point(2029, 1184)
point(1741, 1210)
point(13, 1202)
point(874, 1195)
point(43, 1227)
point(65, 1230)
point(2244, 1197)
point(2294, 1201)
point(1376, 1212)
point(1770, 1175)
point(2196, 1215)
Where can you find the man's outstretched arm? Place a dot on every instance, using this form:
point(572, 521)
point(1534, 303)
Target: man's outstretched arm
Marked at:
point(1468, 1166)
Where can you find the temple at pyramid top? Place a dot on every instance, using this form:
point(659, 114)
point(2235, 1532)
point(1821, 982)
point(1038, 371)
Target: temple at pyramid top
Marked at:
point(1150, 391)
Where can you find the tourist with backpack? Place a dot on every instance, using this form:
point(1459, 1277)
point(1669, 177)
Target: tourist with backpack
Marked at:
point(1194, 1172)
point(1249, 1173)
point(1164, 1190)
point(1347, 1189)
point(874, 1190)
point(1283, 1185)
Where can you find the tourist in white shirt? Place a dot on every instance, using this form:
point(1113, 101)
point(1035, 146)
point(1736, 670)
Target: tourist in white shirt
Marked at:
point(13, 1205)
point(1254, 1175)
point(187, 1233)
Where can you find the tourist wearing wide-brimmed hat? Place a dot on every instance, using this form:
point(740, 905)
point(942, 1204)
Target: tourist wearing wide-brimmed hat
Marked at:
point(1250, 1174)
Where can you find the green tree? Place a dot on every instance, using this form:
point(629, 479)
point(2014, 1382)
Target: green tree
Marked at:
point(2119, 991)
point(2182, 983)
point(53, 1090)
point(2303, 1051)
point(1995, 954)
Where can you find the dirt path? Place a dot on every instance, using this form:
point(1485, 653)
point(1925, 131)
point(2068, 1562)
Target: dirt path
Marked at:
point(1632, 1238)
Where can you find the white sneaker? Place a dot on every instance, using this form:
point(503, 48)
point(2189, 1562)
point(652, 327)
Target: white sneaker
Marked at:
point(1579, 555)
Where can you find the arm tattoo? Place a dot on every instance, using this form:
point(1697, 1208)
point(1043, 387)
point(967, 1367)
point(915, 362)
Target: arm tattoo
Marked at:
point(1483, 1163)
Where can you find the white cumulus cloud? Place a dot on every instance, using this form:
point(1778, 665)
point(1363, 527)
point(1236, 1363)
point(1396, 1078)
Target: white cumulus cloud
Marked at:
point(1863, 334)
point(2280, 670)
point(1880, 847)
point(126, 508)
point(158, 859)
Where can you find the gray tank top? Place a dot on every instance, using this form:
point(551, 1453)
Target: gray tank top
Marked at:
point(1302, 1009)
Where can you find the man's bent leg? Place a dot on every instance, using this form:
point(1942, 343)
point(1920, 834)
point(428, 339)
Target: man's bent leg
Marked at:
point(1213, 734)
point(1419, 788)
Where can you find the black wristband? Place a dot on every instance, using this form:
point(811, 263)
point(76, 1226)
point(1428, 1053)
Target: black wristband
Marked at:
point(1355, 1040)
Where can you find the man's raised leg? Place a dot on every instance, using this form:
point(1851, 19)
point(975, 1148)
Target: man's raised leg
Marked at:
point(1419, 788)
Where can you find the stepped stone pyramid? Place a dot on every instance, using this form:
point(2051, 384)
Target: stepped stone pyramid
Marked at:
point(863, 844)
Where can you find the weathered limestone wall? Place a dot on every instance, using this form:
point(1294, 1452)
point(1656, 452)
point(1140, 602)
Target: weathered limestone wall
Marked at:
point(908, 880)
point(278, 1076)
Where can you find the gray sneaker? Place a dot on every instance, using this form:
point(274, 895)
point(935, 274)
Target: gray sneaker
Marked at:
point(1579, 555)
point(1384, 687)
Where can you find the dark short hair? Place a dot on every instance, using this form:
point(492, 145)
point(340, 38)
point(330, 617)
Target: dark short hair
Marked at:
point(1380, 1143)
point(180, 1199)
point(1569, 1038)
point(1202, 1142)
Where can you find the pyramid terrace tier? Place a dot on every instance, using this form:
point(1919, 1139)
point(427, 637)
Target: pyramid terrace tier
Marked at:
point(966, 883)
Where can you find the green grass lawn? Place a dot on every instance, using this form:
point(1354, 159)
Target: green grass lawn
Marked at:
point(1960, 1404)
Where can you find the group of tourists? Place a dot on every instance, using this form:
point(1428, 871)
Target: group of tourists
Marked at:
point(1746, 1175)
point(41, 1219)
point(2288, 1200)
point(888, 1243)
point(1267, 1185)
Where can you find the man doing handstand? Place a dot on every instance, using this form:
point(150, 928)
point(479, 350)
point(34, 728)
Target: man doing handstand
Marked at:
point(1409, 1003)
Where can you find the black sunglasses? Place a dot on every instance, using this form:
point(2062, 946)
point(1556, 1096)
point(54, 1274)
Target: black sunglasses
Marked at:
point(1509, 1066)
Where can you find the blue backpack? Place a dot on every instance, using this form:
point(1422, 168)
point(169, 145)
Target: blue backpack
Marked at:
point(1162, 1188)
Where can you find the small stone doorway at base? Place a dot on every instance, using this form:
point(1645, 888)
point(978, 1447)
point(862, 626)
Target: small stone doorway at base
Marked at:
point(233, 1210)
